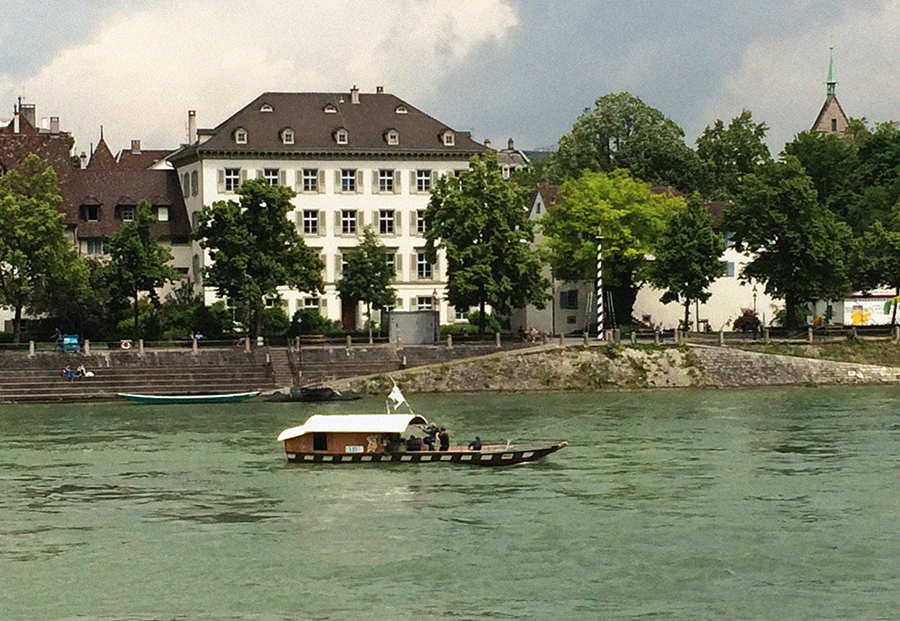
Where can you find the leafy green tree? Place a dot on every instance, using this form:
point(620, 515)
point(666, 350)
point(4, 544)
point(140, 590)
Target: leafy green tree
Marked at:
point(621, 131)
point(687, 257)
point(729, 153)
point(830, 161)
point(310, 321)
point(799, 247)
point(367, 276)
point(35, 254)
point(631, 219)
point(877, 257)
point(255, 249)
point(138, 263)
point(480, 220)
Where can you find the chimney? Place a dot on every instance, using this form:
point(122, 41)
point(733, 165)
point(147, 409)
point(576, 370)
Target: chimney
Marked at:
point(354, 95)
point(379, 90)
point(511, 145)
point(54, 124)
point(135, 146)
point(192, 127)
point(487, 143)
point(28, 112)
point(83, 158)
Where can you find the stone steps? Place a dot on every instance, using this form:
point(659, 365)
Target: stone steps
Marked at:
point(40, 378)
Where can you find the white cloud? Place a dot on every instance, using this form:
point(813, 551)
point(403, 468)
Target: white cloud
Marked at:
point(143, 70)
point(783, 80)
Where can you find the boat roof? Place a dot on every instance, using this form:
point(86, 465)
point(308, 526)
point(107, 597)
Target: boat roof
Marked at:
point(358, 423)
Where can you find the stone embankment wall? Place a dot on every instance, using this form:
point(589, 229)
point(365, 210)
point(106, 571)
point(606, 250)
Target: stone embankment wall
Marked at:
point(733, 367)
point(611, 366)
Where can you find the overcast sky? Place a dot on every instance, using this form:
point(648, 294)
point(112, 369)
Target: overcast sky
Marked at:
point(522, 69)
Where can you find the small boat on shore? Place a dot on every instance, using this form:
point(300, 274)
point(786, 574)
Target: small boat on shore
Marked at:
point(368, 438)
point(312, 394)
point(233, 397)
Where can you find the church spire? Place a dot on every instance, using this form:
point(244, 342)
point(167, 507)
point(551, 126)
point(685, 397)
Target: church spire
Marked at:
point(830, 81)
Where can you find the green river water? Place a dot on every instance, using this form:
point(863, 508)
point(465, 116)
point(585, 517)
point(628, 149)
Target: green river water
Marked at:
point(672, 505)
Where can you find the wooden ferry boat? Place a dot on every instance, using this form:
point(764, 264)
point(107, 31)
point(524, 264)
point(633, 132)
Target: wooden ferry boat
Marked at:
point(366, 438)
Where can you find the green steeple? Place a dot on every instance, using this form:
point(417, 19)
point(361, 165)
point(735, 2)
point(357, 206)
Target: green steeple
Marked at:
point(830, 81)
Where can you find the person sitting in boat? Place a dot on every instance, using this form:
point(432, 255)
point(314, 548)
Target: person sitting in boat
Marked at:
point(444, 437)
point(413, 443)
point(475, 445)
point(431, 432)
point(392, 443)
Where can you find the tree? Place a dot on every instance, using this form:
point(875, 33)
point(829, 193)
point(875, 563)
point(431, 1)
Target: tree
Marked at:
point(631, 219)
point(800, 247)
point(367, 275)
point(877, 257)
point(138, 263)
point(480, 220)
point(730, 153)
point(621, 131)
point(687, 257)
point(34, 250)
point(255, 249)
point(830, 161)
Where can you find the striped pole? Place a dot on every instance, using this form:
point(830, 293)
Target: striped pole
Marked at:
point(600, 308)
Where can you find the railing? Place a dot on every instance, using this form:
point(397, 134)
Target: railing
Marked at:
point(499, 340)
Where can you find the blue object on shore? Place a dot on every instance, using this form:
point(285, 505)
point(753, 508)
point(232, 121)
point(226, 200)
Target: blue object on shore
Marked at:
point(68, 342)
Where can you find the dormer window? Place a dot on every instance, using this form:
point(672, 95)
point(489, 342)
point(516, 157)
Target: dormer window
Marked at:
point(287, 136)
point(266, 108)
point(341, 136)
point(401, 110)
point(240, 136)
point(330, 109)
point(392, 136)
point(448, 138)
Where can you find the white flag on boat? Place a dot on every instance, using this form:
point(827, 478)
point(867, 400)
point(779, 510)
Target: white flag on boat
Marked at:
point(396, 397)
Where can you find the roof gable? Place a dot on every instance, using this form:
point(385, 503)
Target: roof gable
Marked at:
point(831, 118)
point(102, 158)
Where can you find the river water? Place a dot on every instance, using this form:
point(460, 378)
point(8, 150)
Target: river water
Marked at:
point(763, 504)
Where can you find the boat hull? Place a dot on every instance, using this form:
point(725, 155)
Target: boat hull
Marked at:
point(236, 397)
point(488, 456)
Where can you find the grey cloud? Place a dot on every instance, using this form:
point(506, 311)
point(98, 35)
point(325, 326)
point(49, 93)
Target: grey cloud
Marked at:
point(565, 55)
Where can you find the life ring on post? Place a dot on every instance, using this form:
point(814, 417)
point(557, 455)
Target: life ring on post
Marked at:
point(125, 344)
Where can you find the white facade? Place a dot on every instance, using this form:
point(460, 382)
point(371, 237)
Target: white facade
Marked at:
point(729, 296)
point(573, 307)
point(331, 219)
point(340, 187)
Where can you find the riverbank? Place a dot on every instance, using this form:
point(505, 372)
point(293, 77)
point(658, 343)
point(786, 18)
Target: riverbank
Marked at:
point(609, 366)
point(570, 366)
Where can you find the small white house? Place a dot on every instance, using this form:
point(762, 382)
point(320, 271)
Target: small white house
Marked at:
point(573, 307)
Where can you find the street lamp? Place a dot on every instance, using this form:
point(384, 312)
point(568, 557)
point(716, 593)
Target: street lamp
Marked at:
point(754, 299)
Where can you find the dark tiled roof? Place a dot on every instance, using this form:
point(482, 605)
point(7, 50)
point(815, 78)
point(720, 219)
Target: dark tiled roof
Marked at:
point(549, 194)
point(112, 189)
point(102, 183)
point(140, 160)
point(102, 158)
point(366, 123)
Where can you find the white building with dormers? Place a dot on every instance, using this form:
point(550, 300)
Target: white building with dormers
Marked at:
point(354, 160)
